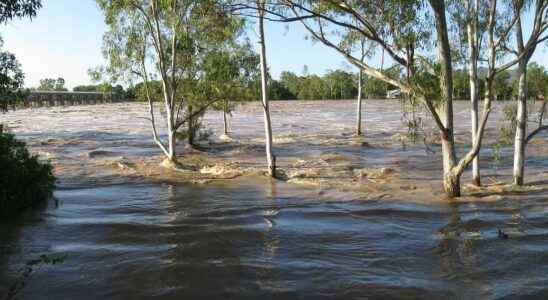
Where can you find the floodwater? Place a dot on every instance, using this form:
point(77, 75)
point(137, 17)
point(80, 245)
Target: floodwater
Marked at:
point(251, 237)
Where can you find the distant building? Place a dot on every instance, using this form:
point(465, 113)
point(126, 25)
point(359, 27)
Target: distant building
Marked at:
point(393, 94)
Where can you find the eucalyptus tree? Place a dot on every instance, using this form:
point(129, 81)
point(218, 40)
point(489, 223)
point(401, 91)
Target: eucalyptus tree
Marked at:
point(167, 41)
point(270, 158)
point(403, 29)
point(11, 80)
point(365, 51)
point(523, 51)
point(52, 84)
point(363, 54)
point(11, 75)
point(232, 73)
point(472, 8)
point(10, 9)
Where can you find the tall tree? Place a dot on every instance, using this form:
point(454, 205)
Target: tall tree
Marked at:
point(172, 37)
point(524, 51)
point(51, 84)
point(11, 80)
point(473, 8)
point(10, 9)
point(403, 30)
point(270, 158)
point(11, 76)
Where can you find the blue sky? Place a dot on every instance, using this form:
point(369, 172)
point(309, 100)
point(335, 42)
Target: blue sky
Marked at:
point(65, 40)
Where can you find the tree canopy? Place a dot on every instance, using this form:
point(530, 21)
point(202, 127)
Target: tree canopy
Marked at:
point(10, 9)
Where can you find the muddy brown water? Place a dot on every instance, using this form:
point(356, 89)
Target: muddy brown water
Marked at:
point(255, 238)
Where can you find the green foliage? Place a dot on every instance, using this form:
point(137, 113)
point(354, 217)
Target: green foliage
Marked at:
point(503, 86)
point(189, 56)
point(154, 87)
point(117, 90)
point(497, 155)
point(10, 9)
point(508, 131)
point(375, 88)
point(461, 85)
point(537, 81)
point(24, 180)
point(333, 85)
point(11, 80)
point(51, 84)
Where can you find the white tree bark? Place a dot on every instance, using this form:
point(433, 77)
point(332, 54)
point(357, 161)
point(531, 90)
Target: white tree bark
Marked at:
point(359, 106)
point(451, 180)
point(521, 117)
point(521, 126)
point(270, 159)
point(473, 53)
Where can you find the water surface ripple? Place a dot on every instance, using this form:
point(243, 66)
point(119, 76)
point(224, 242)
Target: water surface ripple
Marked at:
point(249, 240)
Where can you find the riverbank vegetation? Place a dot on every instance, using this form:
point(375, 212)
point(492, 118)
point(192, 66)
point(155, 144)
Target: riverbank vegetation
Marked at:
point(25, 180)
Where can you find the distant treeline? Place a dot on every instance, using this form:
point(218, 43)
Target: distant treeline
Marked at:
point(119, 90)
point(506, 83)
point(339, 84)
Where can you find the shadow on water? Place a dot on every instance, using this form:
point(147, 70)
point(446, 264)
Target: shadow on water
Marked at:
point(260, 238)
point(256, 238)
point(12, 249)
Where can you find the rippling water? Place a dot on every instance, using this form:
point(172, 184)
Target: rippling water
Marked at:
point(254, 238)
point(266, 239)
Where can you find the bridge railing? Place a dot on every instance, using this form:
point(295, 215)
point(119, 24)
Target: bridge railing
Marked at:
point(55, 98)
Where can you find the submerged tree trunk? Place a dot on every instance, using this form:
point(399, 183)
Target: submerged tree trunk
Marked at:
point(225, 122)
point(521, 126)
point(359, 107)
point(473, 49)
point(451, 180)
point(271, 160)
point(521, 117)
point(190, 127)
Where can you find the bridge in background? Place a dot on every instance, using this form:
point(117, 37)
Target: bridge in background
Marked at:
point(47, 98)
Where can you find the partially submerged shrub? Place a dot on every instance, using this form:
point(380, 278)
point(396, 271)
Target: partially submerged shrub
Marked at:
point(24, 180)
point(508, 131)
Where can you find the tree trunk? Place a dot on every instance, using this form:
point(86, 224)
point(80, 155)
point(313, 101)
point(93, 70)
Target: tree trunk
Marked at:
point(190, 130)
point(271, 161)
point(225, 123)
point(171, 136)
point(521, 117)
point(451, 185)
point(521, 126)
point(359, 108)
point(451, 181)
point(473, 50)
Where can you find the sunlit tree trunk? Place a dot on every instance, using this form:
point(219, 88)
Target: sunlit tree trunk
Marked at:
point(521, 117)
point(271, 161)
point(451, 181)
point(473, 49)
point(359, 108)
point(521, 126)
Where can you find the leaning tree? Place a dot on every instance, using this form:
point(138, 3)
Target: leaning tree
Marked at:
point(403, 30)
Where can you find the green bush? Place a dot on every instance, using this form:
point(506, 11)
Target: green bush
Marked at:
point(508, 131)
point(24, 180)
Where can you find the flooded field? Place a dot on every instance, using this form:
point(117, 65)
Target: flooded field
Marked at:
point(355, 217)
